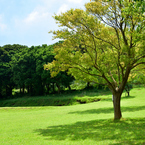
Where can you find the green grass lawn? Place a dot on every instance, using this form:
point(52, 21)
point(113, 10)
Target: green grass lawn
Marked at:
point(84, 124)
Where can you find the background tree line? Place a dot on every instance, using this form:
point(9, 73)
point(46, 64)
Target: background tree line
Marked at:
point(22, 68)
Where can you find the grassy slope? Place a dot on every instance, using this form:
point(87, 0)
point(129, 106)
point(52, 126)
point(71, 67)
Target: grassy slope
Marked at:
point(65, 99)
point(85, 124)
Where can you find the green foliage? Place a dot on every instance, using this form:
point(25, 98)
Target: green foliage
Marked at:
point(28, 68)
point(6, 73)
point(22, 67)
point(111, 60)
point(102, 44)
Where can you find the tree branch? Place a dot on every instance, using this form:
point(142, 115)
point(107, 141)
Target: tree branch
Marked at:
point(137, 64)
point(97, 37)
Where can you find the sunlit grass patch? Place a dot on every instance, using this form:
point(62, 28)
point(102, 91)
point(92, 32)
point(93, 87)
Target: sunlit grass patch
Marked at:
point(84, 124)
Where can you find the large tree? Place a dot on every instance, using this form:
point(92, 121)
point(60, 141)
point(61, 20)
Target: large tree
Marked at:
point(101, 44)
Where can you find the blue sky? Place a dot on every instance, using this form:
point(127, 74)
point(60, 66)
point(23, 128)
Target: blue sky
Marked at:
point(27, 22)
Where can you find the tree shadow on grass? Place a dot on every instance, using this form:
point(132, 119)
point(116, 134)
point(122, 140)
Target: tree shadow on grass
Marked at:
point(130, 131)
point(127, 97)
point(109, 110)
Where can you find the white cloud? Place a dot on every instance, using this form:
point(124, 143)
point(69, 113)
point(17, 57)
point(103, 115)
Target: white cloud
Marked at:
point(35, 26)
point(31, 17)
point(36, 16)
point(75, 1)
point(39, 19)
point(31, 26)
point(49, 3)
point(63, 9)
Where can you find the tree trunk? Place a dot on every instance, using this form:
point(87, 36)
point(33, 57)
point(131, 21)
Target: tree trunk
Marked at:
point(20, 90)
point(23, 91)
point(128, 93)
point(116, 104)
point(31, 90)
point(47, 88)
point(58, 87)
point(69, 87)
point(53, 87)
point(28, 89)
point(8, 91)
point(88, 84)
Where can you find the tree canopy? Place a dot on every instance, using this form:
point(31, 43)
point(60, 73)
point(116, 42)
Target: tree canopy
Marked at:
point(22, 68)
point(101, 44)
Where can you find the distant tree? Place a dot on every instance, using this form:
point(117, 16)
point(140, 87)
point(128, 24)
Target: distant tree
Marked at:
point(29, 73)
point(28, 68)
point(63, 80)
point(112, 35)
point(6, 74)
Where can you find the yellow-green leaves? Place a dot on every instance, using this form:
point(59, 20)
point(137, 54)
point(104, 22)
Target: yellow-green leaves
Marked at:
point(106, 41)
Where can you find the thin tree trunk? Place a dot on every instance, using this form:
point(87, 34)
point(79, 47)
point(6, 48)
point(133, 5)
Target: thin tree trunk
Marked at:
point(31, 89)
point(47, 88)
point(58, 86)
point(8, 91)
point(20, 90)
point(88, 84)
point(128, 93)
point(23, 89)
point(69, 87)
point(116, 104)
point(53, 87)
point(28, 89)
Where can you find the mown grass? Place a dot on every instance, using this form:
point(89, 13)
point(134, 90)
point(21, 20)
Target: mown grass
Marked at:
point(84, 124)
